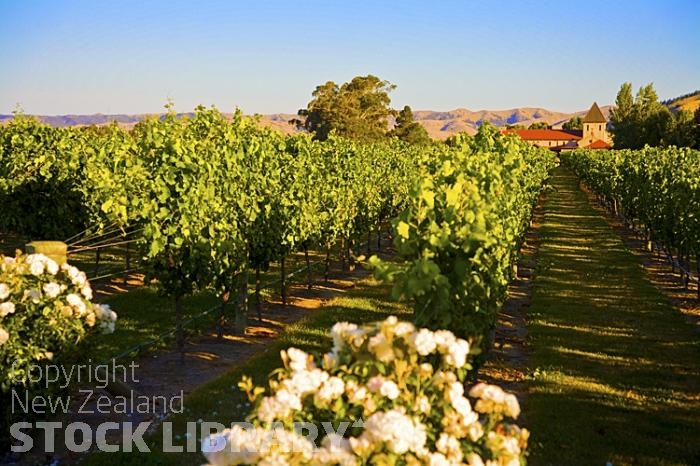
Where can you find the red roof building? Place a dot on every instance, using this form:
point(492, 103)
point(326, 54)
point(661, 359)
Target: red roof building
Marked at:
point(598, 144)
point(593, 136)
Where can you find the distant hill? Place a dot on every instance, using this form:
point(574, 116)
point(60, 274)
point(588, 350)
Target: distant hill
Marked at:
point(280, 122)
point(277, 121)
point(690, 102)
point(83, 120)
point(440, 125)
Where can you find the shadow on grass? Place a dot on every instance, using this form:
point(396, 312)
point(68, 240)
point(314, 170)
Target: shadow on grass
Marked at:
point(220, 400)
point(615, 369)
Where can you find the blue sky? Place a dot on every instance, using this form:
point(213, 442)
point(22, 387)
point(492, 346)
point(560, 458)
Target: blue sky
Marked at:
point(60, 57)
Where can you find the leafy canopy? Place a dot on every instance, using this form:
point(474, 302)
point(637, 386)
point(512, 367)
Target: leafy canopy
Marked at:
point(409, 130)
point(643, 120)
point(539, 125)
point(357, 110)
point(574, 123)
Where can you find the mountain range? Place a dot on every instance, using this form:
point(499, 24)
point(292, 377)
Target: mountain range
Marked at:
point(439, 125)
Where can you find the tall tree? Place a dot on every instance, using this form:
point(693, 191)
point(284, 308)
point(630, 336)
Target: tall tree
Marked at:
point(408, 129)
point(575, 123)
point(683, 130)
point(624, 119)
point(653, 119)
point(642, 121)
point(358, 109)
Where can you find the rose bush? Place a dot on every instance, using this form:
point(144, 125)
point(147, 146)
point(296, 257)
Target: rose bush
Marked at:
point(387, 393)
point(45, 310)
point(46, 317)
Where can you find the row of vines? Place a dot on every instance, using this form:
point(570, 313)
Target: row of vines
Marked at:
point(656, 190)
point(208, 198)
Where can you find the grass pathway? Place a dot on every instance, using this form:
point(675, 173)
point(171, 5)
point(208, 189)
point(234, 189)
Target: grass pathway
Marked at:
point(615, 370)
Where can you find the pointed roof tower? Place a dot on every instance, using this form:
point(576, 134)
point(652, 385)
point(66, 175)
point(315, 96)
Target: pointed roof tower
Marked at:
point(594, 115)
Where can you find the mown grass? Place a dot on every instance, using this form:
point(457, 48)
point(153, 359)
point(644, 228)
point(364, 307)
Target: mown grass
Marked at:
point(145, 315)
point(221, 401)
point(616, 369)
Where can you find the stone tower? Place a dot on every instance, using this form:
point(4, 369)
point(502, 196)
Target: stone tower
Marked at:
point(594, 124)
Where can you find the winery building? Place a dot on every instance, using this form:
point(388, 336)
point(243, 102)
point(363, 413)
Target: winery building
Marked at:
point(593, 136)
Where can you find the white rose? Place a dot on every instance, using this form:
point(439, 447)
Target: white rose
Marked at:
point(52, 290)
point(475, 431)
point(463, 407)
point(390, 322)
point(404, 329)
point(4, 291)
point(107, 327)
point(270, 408)
point(438, 459)
point(103, 312)
point(330, 360)
point(7, 309)
point(457, 353)
point(382, 347)
point(390, 390)
point(400, 432)
point(474, 460)
point(477, 390)
point(339, 331)
point(494, 393)
point(359, 395)
point(288, 399)
point(361, 445)
point(425, 369)
point(424, 342)
point(512, 406)
point(298, 360)
point(76, 303)
point(423, 404)
point(51, 266)
point(77, 277)
point(305, 382)
point(36, 268)
point(80, 279)
point(444, 338)
point(450, 446)
point(86, 291)
point(511, 445)
point(4, 336)
point(330, 390)
point(335, 449)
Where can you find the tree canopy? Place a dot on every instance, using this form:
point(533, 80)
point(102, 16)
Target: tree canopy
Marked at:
point(573, 124)
point(539, 125)
point(643, 120)
point(409, 130)
point(358, 109)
